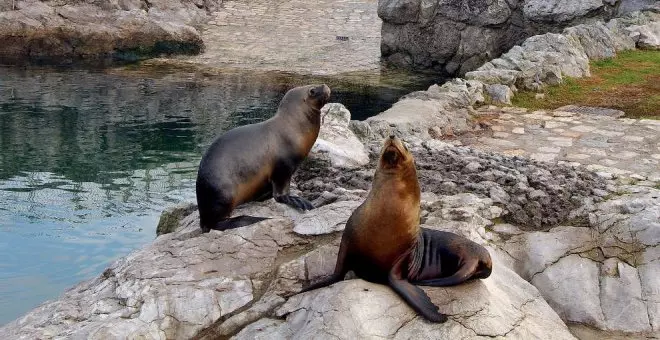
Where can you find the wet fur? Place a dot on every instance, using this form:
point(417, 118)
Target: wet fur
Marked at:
point(383, 242)
point(256, 162)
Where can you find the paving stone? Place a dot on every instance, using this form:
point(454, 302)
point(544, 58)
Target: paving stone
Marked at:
point(577, 156)
point(632, 138)
point(583, 128)
point(546, 149)
point(502, 135)
point(609, 133)
point(624, 155)
point(543, 157)
point(614, 146)
point(554, 124)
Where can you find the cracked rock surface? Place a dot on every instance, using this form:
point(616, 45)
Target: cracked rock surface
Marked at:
point(604, 274)
point(503, 305)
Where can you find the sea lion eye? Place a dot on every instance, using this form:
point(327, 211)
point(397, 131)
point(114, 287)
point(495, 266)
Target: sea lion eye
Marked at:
point(312, 92)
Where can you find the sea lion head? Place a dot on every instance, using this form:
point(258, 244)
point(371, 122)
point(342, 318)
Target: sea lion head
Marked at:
point(317, 96)
point(312, 97)
point(395, 156)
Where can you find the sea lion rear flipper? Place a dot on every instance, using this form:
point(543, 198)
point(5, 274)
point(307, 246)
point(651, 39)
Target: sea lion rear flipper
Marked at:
point(237, 222)
point(463, 274)
point(413, 295)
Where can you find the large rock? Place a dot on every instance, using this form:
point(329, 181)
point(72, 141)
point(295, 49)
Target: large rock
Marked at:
point(69, 31)
point(647, 36)
point(440, 110)
point(456, 37)
point(337, 141)
point(186, 281)
point(559, 11)
point(503, 305)
point(603, 275)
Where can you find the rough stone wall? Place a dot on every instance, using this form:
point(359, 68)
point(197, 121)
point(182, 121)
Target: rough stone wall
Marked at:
point(457, 36)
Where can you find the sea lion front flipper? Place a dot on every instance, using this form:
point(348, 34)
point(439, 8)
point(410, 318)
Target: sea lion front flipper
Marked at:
point(341, 268)
point(281, 183)
point(413, 295)
point(236, 222)
point(295, 202)
point(463, 274)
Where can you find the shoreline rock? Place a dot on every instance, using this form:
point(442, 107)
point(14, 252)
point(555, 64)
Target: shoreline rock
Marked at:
point(66, 32)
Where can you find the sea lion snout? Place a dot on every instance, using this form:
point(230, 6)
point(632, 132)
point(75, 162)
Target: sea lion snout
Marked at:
point(394, 152)
point(318, 95)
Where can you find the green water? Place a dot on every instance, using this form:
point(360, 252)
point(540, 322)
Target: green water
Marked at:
point(89, 159)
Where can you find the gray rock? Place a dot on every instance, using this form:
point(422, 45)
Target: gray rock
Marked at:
point(647, 36)
point(571, 287)
point(599, 275)
point(326, 219)
point(589, 110)
point(69, 31)
point(494, 76)
point(336, 140)
point(557, 11)
point(501, 305)
point(171, 218)
point(499, 94)
point(596, 39)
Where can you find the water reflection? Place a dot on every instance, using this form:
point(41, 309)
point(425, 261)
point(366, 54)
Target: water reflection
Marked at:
point(88, 160)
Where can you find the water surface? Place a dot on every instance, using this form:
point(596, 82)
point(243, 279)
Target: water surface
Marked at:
point(89, 159)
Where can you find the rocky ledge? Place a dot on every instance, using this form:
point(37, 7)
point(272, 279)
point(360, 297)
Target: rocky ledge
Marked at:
point(63, 32)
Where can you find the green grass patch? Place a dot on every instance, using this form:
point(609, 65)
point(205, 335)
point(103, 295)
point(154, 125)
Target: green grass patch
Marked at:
point(629, 82)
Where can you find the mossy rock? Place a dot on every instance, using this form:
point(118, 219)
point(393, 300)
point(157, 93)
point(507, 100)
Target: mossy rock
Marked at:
point(170, 219)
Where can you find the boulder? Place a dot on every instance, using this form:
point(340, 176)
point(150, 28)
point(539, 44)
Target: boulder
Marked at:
point(501, 306)
point(499, 94)
point(599, 275)
point(337, 141)
point(646, 36)
point(558, 11)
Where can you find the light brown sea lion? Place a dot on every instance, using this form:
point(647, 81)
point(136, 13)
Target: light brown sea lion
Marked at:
point(255, 162)
point(383, 242)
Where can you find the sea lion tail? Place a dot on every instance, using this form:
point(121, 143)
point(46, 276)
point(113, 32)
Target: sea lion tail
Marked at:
point(237, 222)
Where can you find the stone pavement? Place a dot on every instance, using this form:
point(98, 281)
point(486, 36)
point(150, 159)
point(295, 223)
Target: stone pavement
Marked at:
point(596, 138)
point(293, 35)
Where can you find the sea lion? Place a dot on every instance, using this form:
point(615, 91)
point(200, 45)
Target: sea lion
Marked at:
point(255, 162)
point(384, 243)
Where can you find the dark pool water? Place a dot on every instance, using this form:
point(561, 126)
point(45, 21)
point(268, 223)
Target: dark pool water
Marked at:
point(89, 159)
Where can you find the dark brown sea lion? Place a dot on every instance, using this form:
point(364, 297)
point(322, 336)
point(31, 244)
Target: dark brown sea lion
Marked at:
point(383, 242)
point(255, 162)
